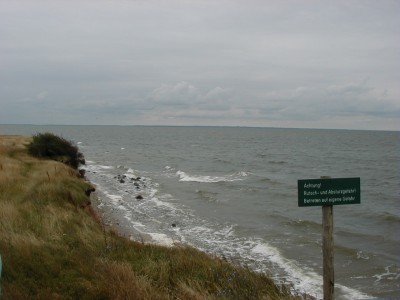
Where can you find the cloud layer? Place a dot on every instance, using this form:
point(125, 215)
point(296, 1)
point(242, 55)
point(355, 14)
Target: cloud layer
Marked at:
point(284, 64)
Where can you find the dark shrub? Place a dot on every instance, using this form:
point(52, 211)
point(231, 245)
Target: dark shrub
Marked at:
point(48, 145)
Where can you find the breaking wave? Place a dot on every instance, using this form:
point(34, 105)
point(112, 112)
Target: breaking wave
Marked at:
point(211, 179)
point(165, 222)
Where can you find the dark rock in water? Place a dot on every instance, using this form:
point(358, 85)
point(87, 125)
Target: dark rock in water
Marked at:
point(82, 173)
point(122, 181)
point(173, 225)
point(123, 176)
point(89, 191)
point(139, 197)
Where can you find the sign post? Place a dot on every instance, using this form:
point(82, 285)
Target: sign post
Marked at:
point(327, 192)
point(327, 251)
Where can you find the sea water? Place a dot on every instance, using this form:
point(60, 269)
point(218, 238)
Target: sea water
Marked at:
point(232, 192)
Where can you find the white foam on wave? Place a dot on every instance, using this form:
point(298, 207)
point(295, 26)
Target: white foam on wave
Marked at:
point(211, 179)
point(161, 239)
point(105, 167)
point(115, 199)
point(387, 275)
point(223, 241)
point(350, 294)
point(228, 231)
point(137, 224)
point(259, 255)
point(130, 171)
point(200, 230)
point(152, 192)
point(129, 175)
point(158, 202)
point(303, 279)
point(121, 207)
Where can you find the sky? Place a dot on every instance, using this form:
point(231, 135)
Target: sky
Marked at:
point(307, 64)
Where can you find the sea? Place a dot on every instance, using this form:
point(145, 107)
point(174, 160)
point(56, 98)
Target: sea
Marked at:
point(232, 192)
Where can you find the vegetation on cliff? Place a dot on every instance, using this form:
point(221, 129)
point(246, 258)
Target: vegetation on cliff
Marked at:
point(50, 146)
point(53, 246)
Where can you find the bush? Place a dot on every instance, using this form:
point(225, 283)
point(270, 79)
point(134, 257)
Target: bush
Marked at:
point(48, 145)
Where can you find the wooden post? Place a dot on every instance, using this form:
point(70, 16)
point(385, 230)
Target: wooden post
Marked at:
point(327, 251)
point(325, 192)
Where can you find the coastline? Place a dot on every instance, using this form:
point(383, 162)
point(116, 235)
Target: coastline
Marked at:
point(53, 245)
point(111, 221)
point(218, 223)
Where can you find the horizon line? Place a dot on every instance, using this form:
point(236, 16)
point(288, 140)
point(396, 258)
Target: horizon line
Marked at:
point(219, 126)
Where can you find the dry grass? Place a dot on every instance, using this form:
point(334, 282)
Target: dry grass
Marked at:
point(53, 249)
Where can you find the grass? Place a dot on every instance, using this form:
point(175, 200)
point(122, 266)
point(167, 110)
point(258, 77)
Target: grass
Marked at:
point(53, 247)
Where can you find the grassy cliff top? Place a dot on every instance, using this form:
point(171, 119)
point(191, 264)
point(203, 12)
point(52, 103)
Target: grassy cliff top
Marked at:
point(53, 247)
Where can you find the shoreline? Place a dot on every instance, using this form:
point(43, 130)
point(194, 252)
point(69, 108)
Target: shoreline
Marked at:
point(118, 221)
point(110, 221)
point(56, 243)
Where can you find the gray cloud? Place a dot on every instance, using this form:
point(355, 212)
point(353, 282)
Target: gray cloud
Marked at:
point(296, 63)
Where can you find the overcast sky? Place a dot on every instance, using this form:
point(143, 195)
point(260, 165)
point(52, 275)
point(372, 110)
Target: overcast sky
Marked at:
point(318, 64)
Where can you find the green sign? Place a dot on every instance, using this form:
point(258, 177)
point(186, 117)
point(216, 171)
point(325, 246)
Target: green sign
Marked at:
point(332, 191)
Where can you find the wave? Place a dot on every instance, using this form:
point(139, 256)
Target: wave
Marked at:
point(221, 160)
point(211, 179)
point(167, 224)
point(353, 253)
point(382, 217)
point(209, 196)
point(303, 279)
point(391, 273)
point(261, 256)
point(277, 162)
point(348, 233)
point(389, 217)
point(302, 223)
point(161, 239)
point(105, 167)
